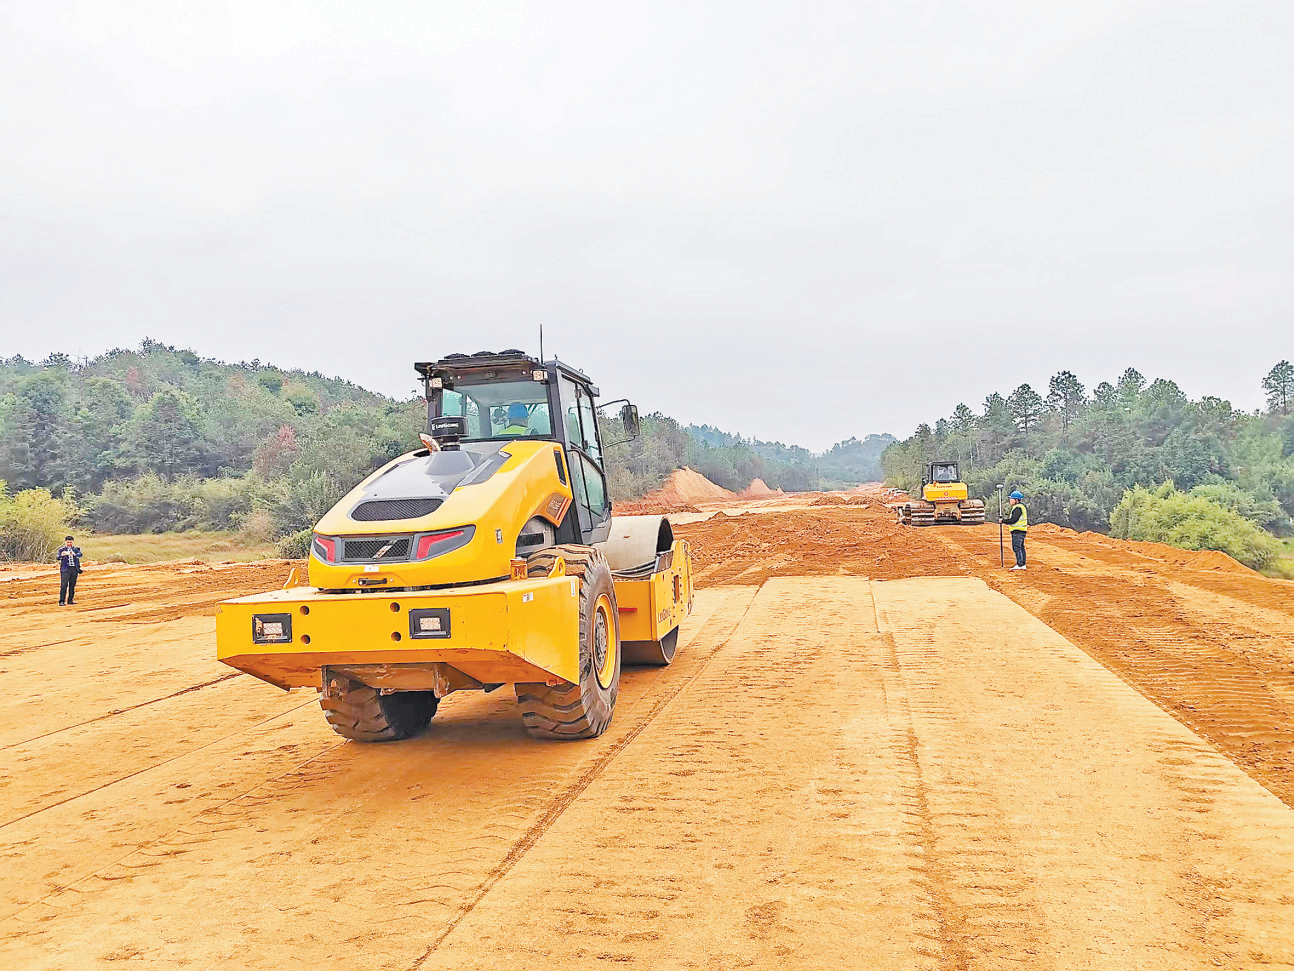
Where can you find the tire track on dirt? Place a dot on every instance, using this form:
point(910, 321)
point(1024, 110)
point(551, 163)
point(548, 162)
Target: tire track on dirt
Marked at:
point(754, 824)
point(973, 792)
point(347, 821)
point(656, 702)
point(154, 764)
point(122, 711)
point(1061, 799)
point(123, 860)
point(982, 904)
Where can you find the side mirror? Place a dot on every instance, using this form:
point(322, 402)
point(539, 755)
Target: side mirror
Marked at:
point(629, 419)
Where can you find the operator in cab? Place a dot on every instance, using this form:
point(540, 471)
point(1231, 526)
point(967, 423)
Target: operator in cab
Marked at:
point(1017, 520)
point(518, 420)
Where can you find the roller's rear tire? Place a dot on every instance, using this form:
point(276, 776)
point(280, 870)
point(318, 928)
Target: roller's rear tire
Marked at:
point(359, 713)
point(580, 710)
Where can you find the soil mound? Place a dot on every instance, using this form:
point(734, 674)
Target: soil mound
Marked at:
point(685, 486)
point(680, 493)
point(758, 489)
point(845, 499)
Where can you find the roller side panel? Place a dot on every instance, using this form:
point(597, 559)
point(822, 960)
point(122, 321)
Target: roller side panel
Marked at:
point(652, 607)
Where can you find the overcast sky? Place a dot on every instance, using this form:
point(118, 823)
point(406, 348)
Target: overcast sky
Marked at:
point(800, 221)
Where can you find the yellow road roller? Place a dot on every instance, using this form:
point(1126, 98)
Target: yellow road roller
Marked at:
point(487, 557)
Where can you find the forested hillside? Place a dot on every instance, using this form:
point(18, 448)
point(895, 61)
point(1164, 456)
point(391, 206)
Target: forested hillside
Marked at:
point(158, 439)
point(793, 468)
point(1140, 451)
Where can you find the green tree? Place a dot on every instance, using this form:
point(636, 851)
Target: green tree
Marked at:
point(1129, 387)
point(97, 438)
point(166, 435)
point(1026, 406)
point(35, 432)
point(301, 400)
point(1066, 396)
point(996, 427)
point(1279, 386)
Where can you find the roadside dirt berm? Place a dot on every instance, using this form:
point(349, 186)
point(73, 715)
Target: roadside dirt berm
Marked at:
point(488, 557)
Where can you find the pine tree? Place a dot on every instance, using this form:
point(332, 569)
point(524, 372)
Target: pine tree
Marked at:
point(1130, 385)
point(36, 432)
point(1279, 385)
point(166, 437)
point(1066, 396)
point(1026, 406)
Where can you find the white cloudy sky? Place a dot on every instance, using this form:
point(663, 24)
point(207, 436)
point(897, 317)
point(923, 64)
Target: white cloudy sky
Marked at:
point(800, 220)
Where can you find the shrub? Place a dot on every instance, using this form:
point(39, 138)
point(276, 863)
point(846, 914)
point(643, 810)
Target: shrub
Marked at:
point(295, 546)
point(33, 524)
point(1257, 504)
point(150, 504)
point(258, 528)
point(308, 498)
point(1191, 522)
point(1063, 503)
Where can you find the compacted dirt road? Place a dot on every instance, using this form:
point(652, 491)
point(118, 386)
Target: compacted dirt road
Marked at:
point(861, 767)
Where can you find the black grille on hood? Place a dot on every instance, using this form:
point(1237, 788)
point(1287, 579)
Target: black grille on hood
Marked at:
point(390, 548)
point(382, 510)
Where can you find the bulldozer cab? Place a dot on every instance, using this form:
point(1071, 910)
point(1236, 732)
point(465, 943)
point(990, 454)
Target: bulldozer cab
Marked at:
point(491, 399)
point(942, 473)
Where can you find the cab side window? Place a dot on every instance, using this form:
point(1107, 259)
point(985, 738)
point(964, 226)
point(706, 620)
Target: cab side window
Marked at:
point(584, 456)
point(595, 488)
point(589, 425)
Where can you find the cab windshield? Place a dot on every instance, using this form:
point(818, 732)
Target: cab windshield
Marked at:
point(501, 409)
point(944, 473)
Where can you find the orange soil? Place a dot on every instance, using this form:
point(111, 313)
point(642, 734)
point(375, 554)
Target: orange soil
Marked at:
point(685, 489)
point(1204, 637)
point(758, 489)
point(834, 772)
point(650, 507)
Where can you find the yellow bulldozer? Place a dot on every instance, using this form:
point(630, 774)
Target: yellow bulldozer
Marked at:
point(487, 557)
point(944, 499)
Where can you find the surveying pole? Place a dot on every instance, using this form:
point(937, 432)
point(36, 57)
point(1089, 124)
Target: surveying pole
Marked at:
point(1001, 539)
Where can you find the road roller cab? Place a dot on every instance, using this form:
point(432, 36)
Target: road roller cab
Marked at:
point(488, 556)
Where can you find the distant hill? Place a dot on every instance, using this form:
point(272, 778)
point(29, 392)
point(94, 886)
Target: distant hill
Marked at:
point(847, 463)
point(144, 436)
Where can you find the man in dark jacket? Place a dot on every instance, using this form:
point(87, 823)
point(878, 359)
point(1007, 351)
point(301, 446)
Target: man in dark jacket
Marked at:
point(1017, 520)
point(69, 568)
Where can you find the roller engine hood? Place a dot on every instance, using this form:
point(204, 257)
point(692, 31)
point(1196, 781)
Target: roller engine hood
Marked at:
point(392, 495)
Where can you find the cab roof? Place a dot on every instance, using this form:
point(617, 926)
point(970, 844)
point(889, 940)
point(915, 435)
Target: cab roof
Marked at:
point(491, 360)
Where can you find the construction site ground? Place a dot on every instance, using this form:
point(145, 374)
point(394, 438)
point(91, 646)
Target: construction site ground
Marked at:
point(876, 749)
